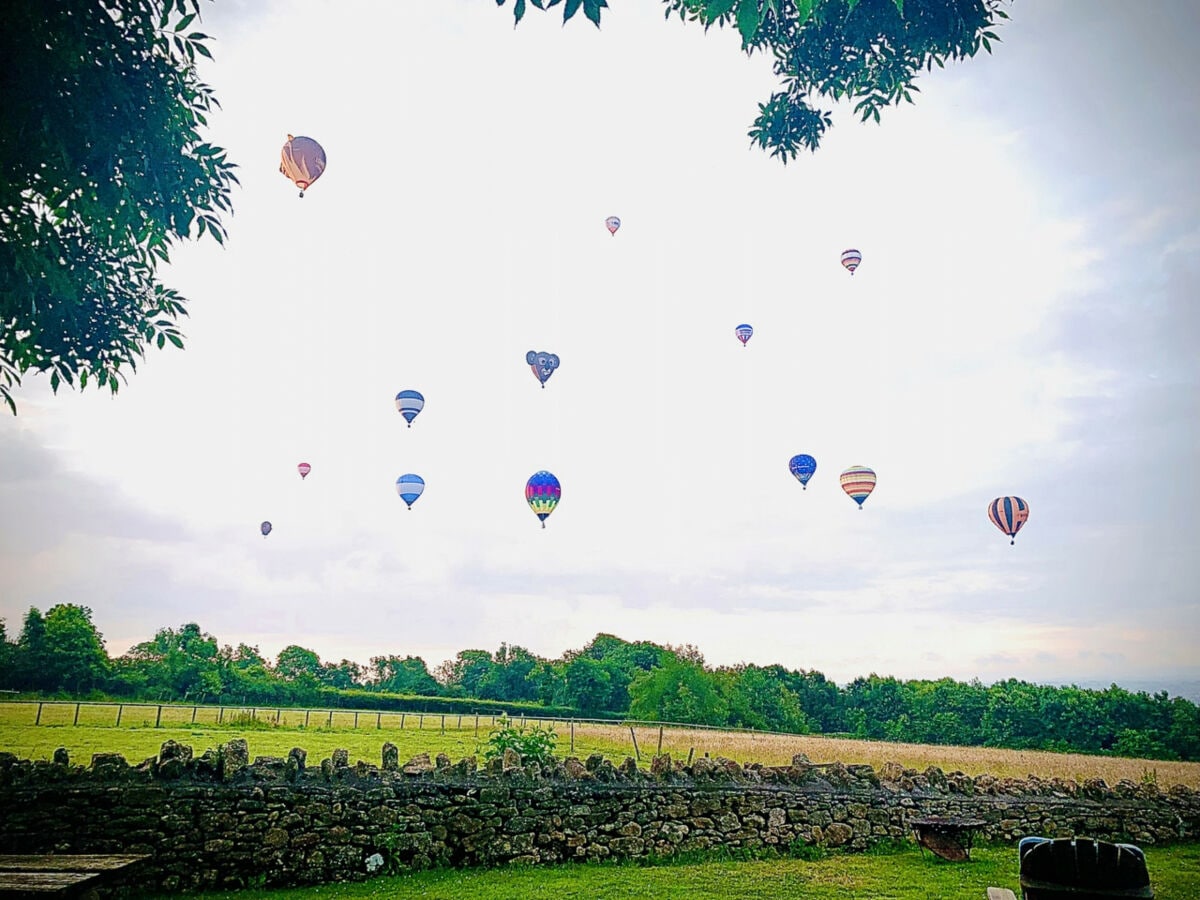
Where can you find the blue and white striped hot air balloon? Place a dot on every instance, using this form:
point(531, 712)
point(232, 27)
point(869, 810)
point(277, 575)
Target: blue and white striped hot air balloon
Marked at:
point(743, 333)
point(410, 487)
point(408, 404)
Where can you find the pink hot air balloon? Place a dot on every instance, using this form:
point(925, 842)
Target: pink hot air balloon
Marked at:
point(302, 160)
point(612, 223)
point(303, 469)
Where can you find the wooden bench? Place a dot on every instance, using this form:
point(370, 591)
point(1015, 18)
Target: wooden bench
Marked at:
point(68, 875)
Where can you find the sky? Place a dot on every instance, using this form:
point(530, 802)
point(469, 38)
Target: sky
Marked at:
point(1023, 323)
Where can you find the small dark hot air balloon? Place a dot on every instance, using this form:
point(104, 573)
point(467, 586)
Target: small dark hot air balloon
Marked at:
point(265, 528)
point(802, 466)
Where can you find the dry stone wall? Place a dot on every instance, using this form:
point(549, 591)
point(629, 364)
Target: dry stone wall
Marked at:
point(218, 820)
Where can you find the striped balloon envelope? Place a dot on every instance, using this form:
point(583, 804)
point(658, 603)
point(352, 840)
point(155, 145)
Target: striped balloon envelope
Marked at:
point(542, 493)
point(410, 487)
point(1009, 514)
point(612, 223)
point(408, 404)
point(851, 259)
point(303, 469)
point(744, 333)
point(858, 482)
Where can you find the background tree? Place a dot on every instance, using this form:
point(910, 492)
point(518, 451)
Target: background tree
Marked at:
point(403, 675)
point(102, 170)
point(180, 664)
point(869, 51)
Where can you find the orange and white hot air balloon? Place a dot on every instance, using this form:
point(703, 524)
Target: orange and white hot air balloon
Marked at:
point(302, 160)
point(1009, 514)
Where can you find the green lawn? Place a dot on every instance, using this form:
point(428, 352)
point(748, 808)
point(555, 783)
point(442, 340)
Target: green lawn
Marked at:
point(898, 875)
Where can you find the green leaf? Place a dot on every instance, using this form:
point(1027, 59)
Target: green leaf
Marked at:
point(804, 9)
point(900, 6)
point(571, 8)
point(518, 11)
point(54, 382)
point(850, 6)
point(591, 9)
point(185, 22)
point(175, 339)
point(749, 18)
point(714, 9)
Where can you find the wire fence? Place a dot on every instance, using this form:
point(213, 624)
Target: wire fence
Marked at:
point(113, 714)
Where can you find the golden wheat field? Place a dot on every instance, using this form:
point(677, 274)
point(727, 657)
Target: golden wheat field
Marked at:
point(275, 732)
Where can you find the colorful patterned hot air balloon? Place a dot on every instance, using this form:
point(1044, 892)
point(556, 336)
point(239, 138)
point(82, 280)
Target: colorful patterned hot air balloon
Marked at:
point(851, 259)
point(743, 333)
point(542, 492)
point(303, 469)
point(265, 528)
point(802, 466)
point(612, 223)
point(302, 160)
point(410, 487)
point(408, 404)
point(858, 482)
point(543, 364)
point(1009, 514)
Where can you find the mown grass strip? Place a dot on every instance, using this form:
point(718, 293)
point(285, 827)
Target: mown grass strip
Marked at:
point(898, 874)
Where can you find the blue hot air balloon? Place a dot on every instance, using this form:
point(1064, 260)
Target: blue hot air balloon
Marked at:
point(542, 493)
point(802, 466)
point(265, 528)
point(410, 487)
point(408, 404)
point(743, 333)
point(543, 364)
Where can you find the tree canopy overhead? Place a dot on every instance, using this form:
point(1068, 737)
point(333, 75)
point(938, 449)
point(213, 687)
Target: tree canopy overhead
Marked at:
point(102, 169)
point(866, 51)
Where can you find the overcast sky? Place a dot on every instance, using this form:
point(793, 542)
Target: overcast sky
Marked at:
point(1023, 323)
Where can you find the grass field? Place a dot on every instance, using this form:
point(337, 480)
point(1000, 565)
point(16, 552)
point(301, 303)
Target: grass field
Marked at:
point(137, 739)
point(897, 874)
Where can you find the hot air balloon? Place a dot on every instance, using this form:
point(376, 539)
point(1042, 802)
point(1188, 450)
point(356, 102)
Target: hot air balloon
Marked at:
point(542, 491)
point(858, 482)
point(743, 333)
point(302, 160)
point(303, 469)
point(265, 528)
point(802, 466)
point(1009, 514)
point(408, 404)
point(410, 487)
point(612, 223)
point(543, 364)
point(851, 259)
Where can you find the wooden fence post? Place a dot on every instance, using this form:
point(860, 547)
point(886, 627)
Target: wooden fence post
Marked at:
point(193, 715)
point(356, 718)
point(443, 723)
point(402, 721)
point(378, 716)
point(306, 714)
point(572, 737)
point(278, 713)
point(38, 720)
point(421, 722)
point(690, 752)
point(636, 752)
point(76, 722)
point(158, 717)
point(660, 732)
point(120, 709)
point(329, 724)
point(220, 714)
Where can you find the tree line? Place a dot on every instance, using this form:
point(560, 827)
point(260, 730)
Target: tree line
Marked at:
point(61, 651)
